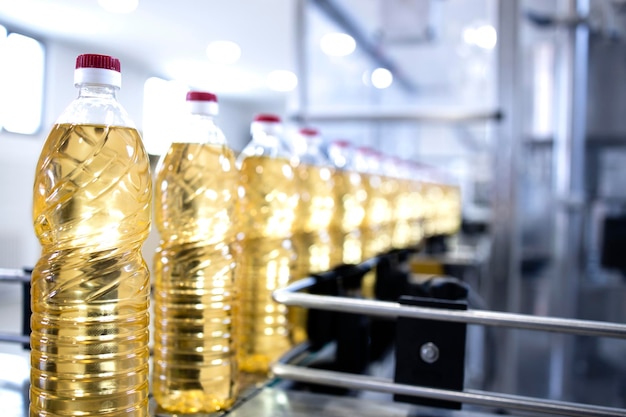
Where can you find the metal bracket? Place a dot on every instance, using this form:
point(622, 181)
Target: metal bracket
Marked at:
point(430, 353)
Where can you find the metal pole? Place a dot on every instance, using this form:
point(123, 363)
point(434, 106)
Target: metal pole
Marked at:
point(302, 62)
point(503, 285)
point(368, 383)
point(569, 178)
point(290, 296)
point(446, 117)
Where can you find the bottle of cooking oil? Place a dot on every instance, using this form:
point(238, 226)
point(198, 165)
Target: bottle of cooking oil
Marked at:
point(266, 211)
point(451, 206)
point(195, 368)
point(415, 203)
point(350, 203)
point(315, 210)
point(389, 193)
point(376, 238)
point(434, 200)
point(311, 237)
point(90, 287)
point(401, 205)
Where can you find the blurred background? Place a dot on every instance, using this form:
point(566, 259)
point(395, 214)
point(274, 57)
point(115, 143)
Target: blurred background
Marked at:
point(522, 102)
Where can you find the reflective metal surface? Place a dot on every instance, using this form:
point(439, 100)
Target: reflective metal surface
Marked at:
point(569, 175)
point(272, 402)
point(290, 296)
point(345, 380)
point(424, 116)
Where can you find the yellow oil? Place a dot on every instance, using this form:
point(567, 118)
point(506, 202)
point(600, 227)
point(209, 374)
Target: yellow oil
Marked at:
point(375, 232)
point(416, 212)
point(378, 213)
point(311, 238)
point(435, 212)
point(267, 202)
point(389, 192)
point(350, 203)
point(195, 367)
point(317, 203)
point(450, 221)
point(265, 266)
point(90, 288)
point(402, 206)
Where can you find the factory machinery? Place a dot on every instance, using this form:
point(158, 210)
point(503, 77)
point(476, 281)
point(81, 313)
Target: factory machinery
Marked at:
point(410, 350)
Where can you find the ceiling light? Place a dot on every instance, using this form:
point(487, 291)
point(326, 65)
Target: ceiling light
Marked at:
point(486, 37)
point(219, 79)
point(337, 44)
point(483, 36)
point(223, 52)
point(381, 78)
point(119, 6)
point(281, 80)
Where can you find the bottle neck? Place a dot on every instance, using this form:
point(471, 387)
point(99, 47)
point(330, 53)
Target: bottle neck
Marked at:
point(97, 91)
point(203, 129)
point(340, 158)
point(265, 141)
point(267, 136)
point(96, 104)
point(312, 152)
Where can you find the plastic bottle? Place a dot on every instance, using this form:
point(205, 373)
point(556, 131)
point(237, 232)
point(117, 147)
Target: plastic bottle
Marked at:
point(415, 204)
point(433, 198)
point(315, 211)
point(450, 217)
point(195, 368)
point(90, 287)
point(311, 238)
point(401, 238)
point(266, 211)
point(314, 173)
point(387, 171)
point(375, 238)
point(350, 203)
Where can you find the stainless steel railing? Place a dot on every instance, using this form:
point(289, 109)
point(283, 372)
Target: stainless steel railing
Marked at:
point(292, 296)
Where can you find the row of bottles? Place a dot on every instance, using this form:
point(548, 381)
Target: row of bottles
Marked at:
point(233, 228)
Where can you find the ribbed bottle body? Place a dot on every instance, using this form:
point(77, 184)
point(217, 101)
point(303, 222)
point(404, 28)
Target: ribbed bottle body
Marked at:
point(376, 234)
point(195, 367)
point(268, 198)
point(350, 203)
point(90, 287)
point(402, 207)
point(313, 220)
point(312, 240)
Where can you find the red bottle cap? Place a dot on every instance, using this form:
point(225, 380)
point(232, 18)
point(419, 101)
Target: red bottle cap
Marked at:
point(264, 117)
point(202, 102)
point(98, 61)
point(342, 143)
point(97, 69)
point(309, 131)
point(201, 96)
